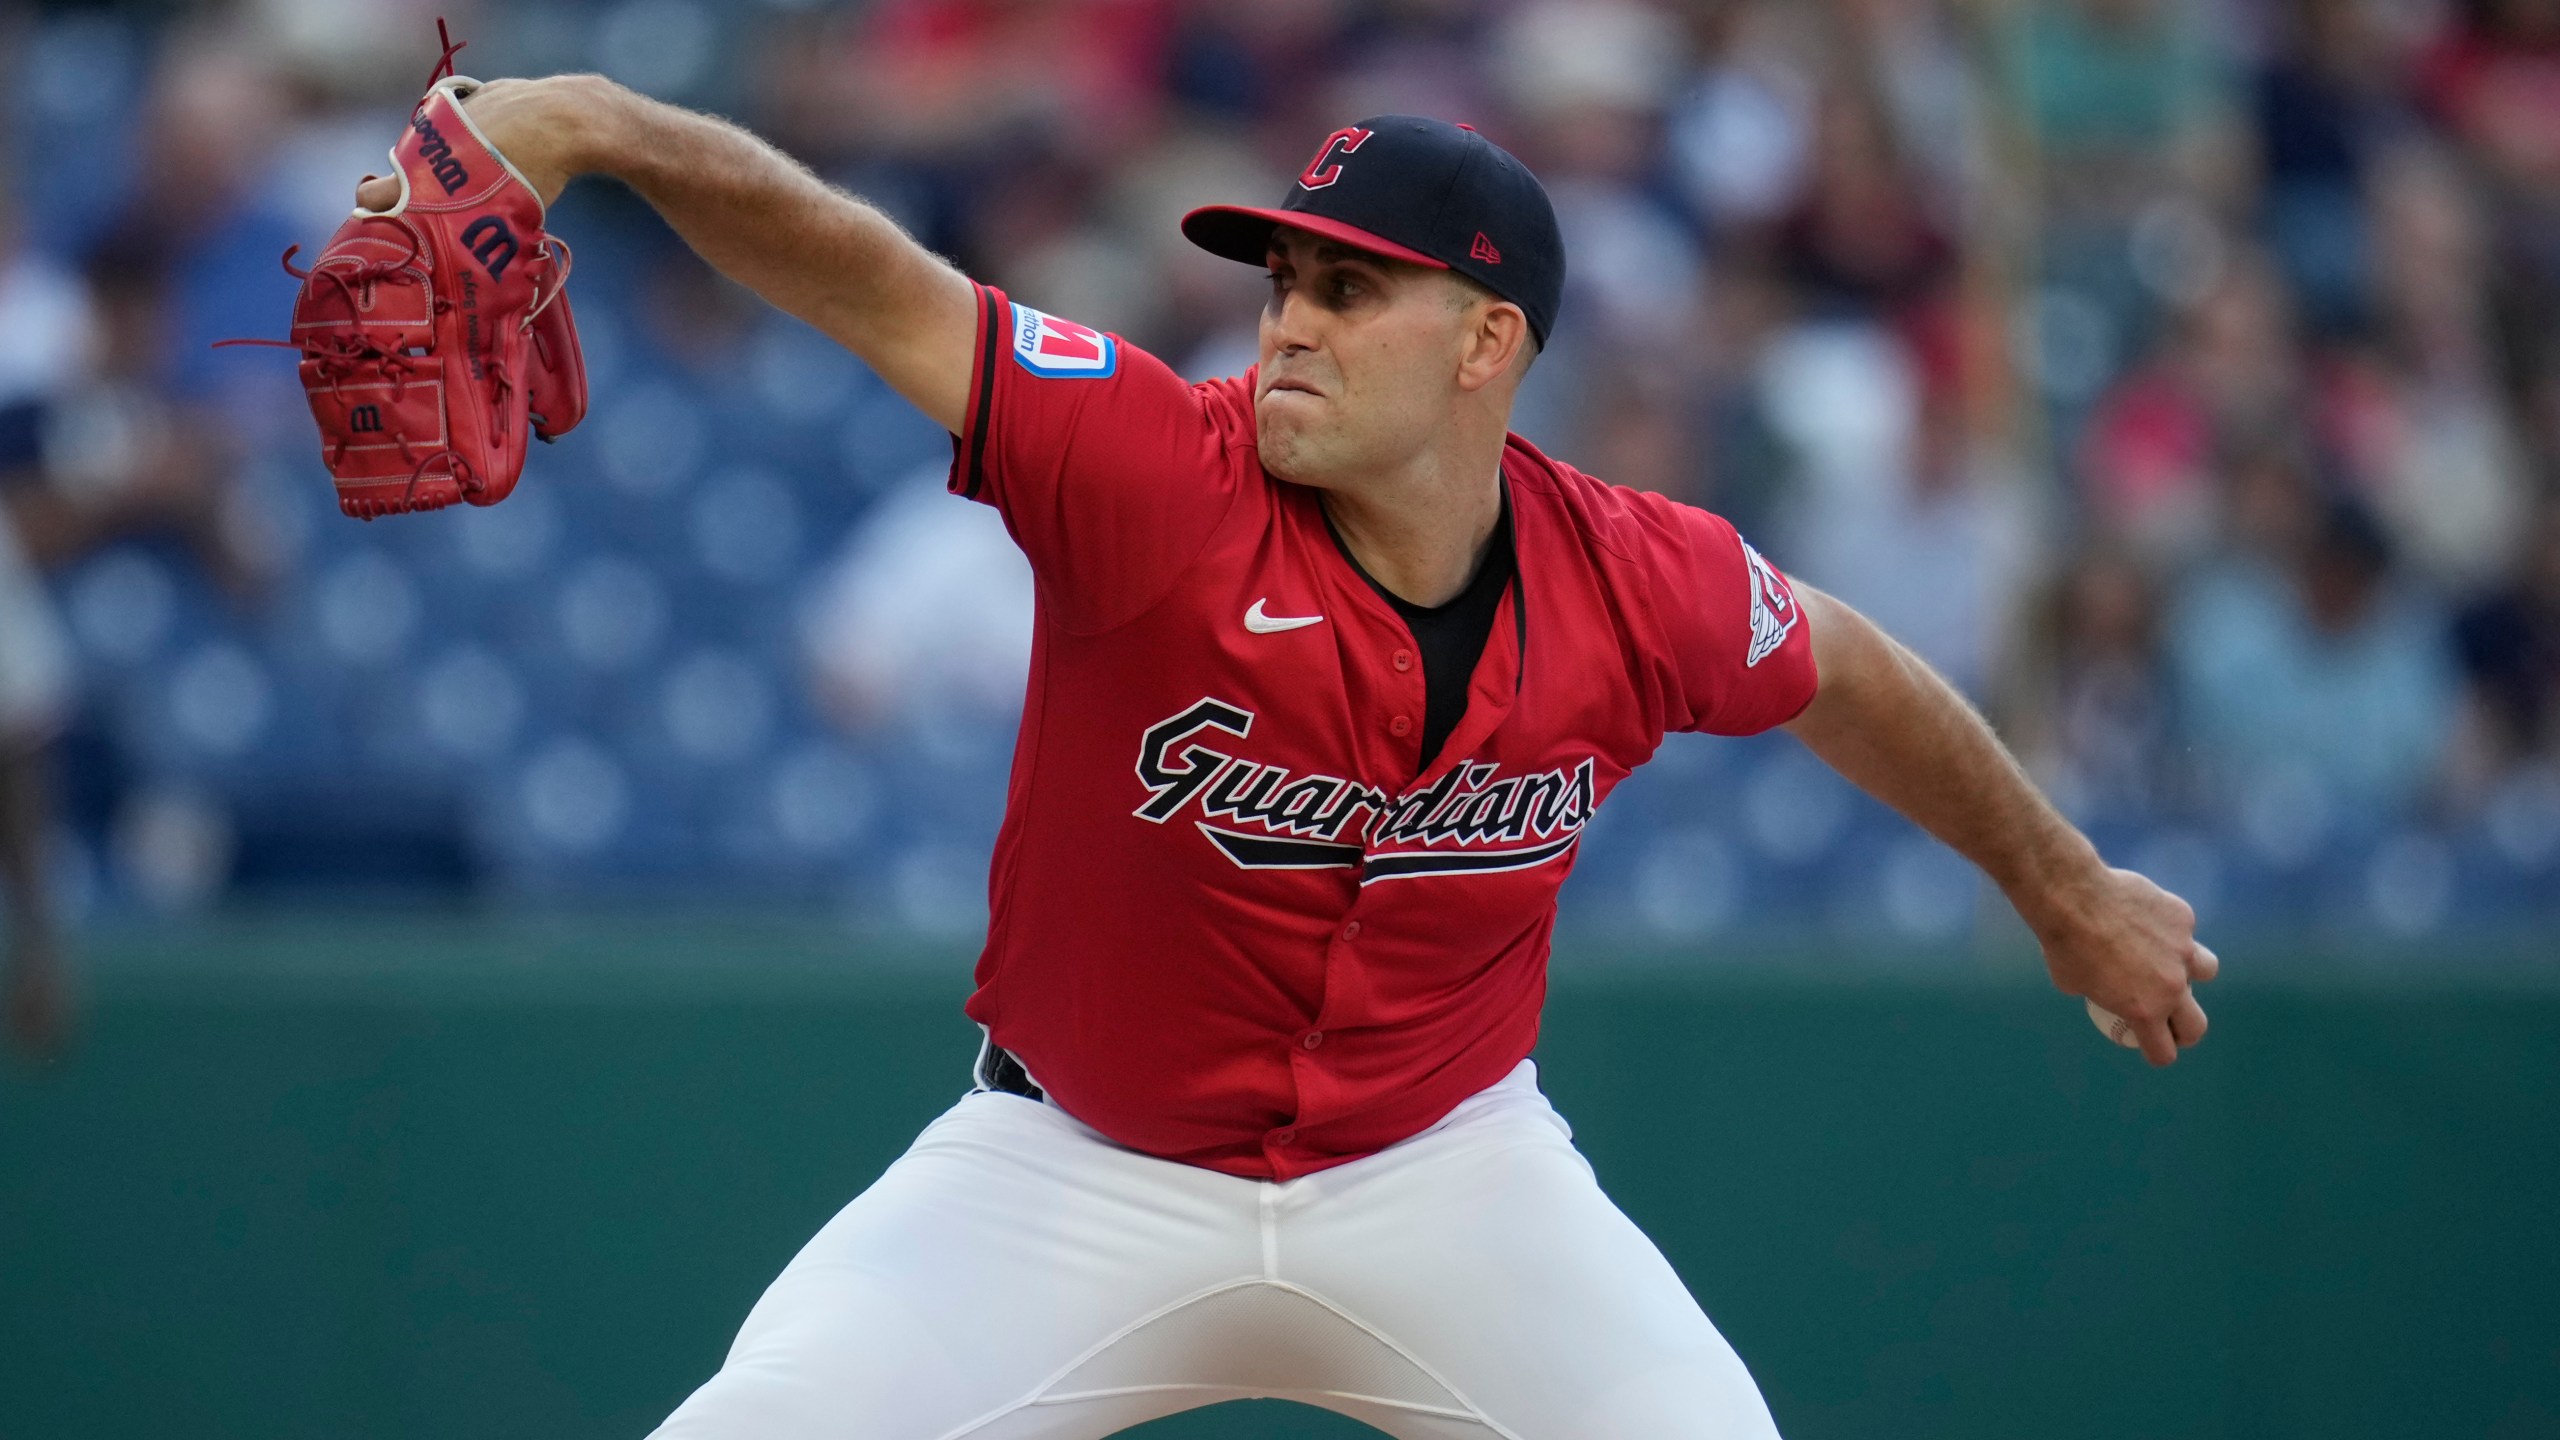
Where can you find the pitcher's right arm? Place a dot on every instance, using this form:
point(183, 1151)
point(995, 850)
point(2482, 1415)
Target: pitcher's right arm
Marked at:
point(756, 215)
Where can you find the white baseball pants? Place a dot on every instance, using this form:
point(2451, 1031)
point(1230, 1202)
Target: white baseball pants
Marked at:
point(1016, 1276)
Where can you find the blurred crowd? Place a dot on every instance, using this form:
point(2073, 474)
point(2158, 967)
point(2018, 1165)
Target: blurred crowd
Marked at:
point(2181, 377)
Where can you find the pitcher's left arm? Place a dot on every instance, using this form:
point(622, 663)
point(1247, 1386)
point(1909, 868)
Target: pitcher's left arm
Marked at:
point(1881, 717)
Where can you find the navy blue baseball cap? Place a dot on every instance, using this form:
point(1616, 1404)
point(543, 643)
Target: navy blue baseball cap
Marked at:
point(1422, 191)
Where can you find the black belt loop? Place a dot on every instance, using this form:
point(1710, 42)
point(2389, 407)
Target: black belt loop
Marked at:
point(999, 1071)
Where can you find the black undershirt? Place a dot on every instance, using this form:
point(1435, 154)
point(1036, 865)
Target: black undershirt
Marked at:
point(1450, 638)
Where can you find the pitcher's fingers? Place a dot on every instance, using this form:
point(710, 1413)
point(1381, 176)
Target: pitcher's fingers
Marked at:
point(2202, 964)
point(2187, 1023)
point(377, 193)
point(2158, 1045)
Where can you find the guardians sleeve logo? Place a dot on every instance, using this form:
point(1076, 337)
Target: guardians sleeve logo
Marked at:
point(1262, 817)
point(1773, 608)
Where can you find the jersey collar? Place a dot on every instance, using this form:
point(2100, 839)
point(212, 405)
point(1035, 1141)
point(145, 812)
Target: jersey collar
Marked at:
point(1495, 686)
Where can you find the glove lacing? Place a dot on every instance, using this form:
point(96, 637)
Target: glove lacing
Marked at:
point(444, 62)
point(342, 351)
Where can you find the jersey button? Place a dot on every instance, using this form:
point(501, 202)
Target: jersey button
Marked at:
point(1400, 726)
point(1351, 931)
point(1404, 659)
point(1283, 1137)
point(1311, 1039)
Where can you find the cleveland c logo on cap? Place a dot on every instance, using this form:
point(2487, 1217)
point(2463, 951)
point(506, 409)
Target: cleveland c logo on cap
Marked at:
point(1319, 173)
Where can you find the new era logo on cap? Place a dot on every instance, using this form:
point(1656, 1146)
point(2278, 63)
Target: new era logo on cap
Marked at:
point(1483, 250)
point(1061, 349)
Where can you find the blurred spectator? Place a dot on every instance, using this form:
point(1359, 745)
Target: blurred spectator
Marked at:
point(2328, 101)
point(35, 695)
point(2314, 665)
point(47, 332)
point(2495, 79)
point(2509, 642)
point(1895, 510)
point(44, 331)
point(1861, 240)
point(957, 82)
point(2129, 99)
point(112, 454)
point(1588, 84)
point(1741, 132)
point(924, 618)
point(1203, 312)
point(2416, 416)
point(1238, 65)
point(35, 699)
point(1426, 57)
point(2128, 112)
point(1643, 436)
point(1911, 54)
point(92, 452)
point(203, 206)
point(2228, 376)
point(2103, 741)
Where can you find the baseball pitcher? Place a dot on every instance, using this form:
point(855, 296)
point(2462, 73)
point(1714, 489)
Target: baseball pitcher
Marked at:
point(1331, 674)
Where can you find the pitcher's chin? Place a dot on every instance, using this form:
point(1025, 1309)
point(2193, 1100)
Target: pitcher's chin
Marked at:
point(1281, 435)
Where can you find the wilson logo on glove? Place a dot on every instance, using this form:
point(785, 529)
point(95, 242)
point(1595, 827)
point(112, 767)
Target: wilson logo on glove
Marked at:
point(438, 154)
point(489, 240)
point(426, 379)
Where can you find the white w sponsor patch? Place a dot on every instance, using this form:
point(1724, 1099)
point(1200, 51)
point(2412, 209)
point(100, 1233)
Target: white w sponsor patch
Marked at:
point(1062, 349)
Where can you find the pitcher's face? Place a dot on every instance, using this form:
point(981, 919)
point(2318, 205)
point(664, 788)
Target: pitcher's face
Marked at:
point(1360, 360)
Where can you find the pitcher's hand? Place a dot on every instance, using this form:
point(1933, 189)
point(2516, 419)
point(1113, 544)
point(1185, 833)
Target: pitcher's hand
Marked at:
point(549, 129)
point(2114, 937)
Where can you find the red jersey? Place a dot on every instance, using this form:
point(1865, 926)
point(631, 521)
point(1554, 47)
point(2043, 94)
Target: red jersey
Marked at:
point(1235, 921)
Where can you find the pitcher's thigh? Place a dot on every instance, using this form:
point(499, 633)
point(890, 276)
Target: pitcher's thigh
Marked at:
point(1504, 1270)
point(983, 1261)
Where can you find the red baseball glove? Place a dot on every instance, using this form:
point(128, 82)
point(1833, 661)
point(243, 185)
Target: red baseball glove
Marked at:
point(435, 335)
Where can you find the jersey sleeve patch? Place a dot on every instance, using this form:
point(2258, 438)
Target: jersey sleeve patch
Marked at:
point(1773, 608)
point(1056, 349)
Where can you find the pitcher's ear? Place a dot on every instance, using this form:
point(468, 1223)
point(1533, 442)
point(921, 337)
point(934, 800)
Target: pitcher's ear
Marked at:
point(1499, 333)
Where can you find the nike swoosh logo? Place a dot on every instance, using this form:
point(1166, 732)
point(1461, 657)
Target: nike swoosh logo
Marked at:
point(1261, 624)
